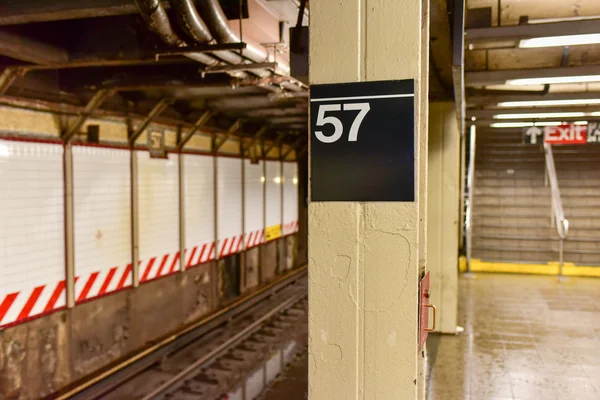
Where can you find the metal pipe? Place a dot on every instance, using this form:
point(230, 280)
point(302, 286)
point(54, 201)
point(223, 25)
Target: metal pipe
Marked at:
point(194, 27)
point(470, 181)
point(158, 21)
point(214, 16)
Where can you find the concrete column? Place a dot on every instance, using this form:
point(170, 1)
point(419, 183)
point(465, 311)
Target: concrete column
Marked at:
point(444, 210)
point(364, 257)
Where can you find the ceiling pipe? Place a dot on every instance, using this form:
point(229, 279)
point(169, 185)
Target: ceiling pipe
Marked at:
point(212, 13)
point(158, 21)
point(194, 27)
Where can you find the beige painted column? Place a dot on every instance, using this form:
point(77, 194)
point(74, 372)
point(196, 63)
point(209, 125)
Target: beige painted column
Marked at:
point(443, 212)
point(364, 257)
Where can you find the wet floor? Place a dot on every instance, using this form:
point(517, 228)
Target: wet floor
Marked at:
point(526, 337)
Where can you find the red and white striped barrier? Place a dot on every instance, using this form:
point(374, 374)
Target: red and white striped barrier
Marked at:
point(22, 305)
point(290, 227)
point(18, 306)
point(102, 282)
point(254, 238)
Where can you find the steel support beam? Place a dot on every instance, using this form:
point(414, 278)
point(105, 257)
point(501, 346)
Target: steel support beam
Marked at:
point(481, 78)
point(26, 11)
point(294, 146)
point(158, 108)
point(199, 124)
point(238, 67)
point(516, 32)
point(233, 129)
point(489, 113)
point(256, 136)
point(95, 102)
point(489, 122)
point(490, 99)
point(276, 143)
point(29, 50)
point(7, 77)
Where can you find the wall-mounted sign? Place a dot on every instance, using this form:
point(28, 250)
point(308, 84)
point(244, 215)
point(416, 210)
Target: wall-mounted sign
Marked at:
point(562, 134)
point(156, 144)
point(593, 132)
point(363, 141)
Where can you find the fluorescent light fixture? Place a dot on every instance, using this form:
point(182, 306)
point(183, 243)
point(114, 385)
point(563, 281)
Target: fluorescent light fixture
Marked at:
point(559, 41)
point(554, 79)
point(595, 114)
point(540, 115)
point(580, 123)
point(523, 124)
point(549, 103)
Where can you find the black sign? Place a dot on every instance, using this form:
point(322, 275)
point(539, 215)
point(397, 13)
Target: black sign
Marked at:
point(156, 144)
point(363, 141)
point(533, 135)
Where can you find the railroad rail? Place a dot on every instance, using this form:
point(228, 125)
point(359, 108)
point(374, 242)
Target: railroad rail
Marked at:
point(209, 358)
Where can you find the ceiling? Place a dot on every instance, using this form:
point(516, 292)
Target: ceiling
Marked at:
point(495, 56)
point(107, 57)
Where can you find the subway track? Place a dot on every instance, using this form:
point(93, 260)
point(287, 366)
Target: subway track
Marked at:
point(233, 354)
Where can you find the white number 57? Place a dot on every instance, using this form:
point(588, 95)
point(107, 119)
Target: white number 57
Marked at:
point(338, 128)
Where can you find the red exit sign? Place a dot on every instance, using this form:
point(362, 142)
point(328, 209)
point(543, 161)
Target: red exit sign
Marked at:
point(566, 134)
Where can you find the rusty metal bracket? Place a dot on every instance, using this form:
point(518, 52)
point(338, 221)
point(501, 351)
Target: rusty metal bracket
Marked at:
point(294, 147)
point(205, 48)
point(234, 128)
point(276, 143)
point(156, 111)
point(96, 101)
point(302, 151)
point(8, 76)
point(256, 136)
point(238, 67)
point(199, 124)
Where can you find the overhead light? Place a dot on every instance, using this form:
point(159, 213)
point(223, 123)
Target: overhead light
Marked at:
point(580, 123)
point(262, 179)
point(595, 114)
point(295, 181)
point(559, 41)
point(549, 103)
point(523, 124)
point(277, 179)
point(540, 115)
point(554, 79)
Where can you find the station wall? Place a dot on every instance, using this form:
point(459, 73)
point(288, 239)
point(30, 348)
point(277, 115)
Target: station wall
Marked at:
point(132, 215)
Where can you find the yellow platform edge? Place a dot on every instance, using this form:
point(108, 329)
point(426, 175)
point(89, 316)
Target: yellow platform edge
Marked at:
point(551, 268)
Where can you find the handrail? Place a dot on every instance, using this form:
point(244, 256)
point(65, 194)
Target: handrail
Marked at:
point(562, 224)
point(469, 200)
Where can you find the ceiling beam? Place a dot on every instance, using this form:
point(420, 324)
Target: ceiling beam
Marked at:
point(26, 11)
point(481, 78)
point(489, 113)
point(492, 99)
point(488, 122)
point(515, 32)
point(29, 50)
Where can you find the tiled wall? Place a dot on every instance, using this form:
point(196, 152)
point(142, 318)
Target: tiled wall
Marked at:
point(32, 255)
point(102, 220)
point(158, 207)
point(229, 205)
point(32, 227)
point(199, 203)
point(290, 198)
point(273, 200)
point(254, 183)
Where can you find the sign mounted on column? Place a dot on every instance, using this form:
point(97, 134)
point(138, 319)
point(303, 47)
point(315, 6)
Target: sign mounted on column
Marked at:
point(363, 141)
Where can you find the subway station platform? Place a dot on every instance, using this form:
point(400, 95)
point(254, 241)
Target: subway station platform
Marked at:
point(525, 338)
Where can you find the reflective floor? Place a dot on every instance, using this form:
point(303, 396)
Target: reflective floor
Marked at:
point(526, 337)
